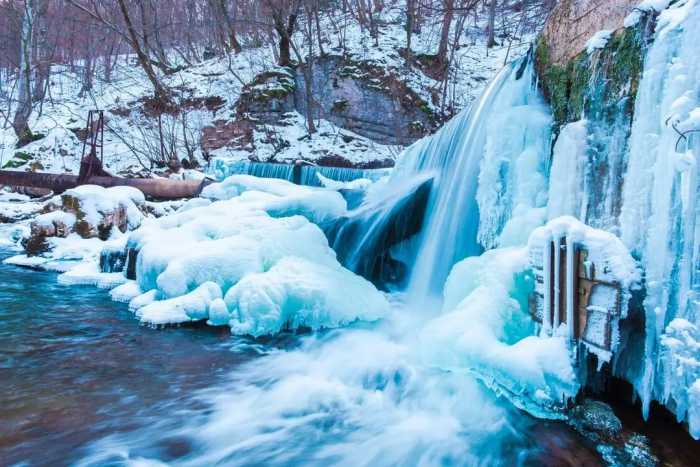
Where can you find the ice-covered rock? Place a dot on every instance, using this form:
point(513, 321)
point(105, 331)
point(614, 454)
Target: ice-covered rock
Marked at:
point(598, 41)
point(251, 259)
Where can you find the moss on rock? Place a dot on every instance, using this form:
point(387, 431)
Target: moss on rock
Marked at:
point(597, 82)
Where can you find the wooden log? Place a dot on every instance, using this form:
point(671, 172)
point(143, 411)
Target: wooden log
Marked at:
point(157, 188)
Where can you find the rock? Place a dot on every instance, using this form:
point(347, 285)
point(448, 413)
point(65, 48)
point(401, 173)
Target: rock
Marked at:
point(88, 226)
point(366, 99)
point(52, 224)
point(597, 417)
point(88, 210)
point(355, 95)
point(573, 22)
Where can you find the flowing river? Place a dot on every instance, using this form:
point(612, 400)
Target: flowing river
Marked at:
point(82, 383)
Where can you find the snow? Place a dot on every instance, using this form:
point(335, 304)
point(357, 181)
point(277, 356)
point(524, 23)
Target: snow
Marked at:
point(55, 218)
point(598, 41)
point(95, 201)
point(131, 133)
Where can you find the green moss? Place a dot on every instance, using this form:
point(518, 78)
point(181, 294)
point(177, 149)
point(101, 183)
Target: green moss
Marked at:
point(19, 159)
point(595, 83)
point(28, 136)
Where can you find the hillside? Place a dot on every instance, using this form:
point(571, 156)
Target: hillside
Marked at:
point(238, 107)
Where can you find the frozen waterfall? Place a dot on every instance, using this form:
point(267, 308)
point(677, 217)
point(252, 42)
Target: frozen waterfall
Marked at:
point(659, 218)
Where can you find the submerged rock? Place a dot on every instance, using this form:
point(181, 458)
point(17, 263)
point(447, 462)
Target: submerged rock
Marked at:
point(597, 417)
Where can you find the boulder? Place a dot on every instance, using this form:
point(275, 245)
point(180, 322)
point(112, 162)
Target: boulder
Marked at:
point(89, 211)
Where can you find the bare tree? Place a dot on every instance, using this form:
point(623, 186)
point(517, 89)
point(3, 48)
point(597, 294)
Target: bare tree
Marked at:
point(284, 14)
point(24, 98)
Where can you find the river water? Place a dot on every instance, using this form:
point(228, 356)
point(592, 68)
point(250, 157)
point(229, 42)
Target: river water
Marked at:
point(82, 383)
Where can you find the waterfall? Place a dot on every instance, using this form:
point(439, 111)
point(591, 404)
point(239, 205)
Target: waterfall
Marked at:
point(221, 168)
point(455, 158)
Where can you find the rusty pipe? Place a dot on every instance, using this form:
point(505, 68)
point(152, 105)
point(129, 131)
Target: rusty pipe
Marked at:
point(157, 188)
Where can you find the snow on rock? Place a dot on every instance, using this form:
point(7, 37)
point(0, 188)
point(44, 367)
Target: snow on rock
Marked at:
point(92, 204)
point(250, 244)
point(88, 210)
point(598, 41)
point(485, 329)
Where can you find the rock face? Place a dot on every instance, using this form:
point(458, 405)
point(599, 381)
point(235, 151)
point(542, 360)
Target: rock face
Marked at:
point(601, 87)
point(354, 95)
point(573, 22)
point(365, 99)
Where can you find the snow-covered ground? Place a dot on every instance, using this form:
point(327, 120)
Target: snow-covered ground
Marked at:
point(209, 91)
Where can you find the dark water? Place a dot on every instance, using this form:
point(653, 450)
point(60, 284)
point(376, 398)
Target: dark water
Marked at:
point(75, 366)
point(77, 369)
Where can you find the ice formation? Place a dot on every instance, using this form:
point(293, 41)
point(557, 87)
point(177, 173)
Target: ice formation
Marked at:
point(485, 329)
point(658, 222)
point(252, 259)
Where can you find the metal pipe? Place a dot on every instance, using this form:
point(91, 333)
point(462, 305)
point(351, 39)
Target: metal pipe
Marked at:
point(151, 187)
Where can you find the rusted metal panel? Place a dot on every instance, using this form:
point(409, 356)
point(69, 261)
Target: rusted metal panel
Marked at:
point(596, 303)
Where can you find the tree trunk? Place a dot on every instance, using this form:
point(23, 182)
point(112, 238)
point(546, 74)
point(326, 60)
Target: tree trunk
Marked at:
point(410, 18)
point(160, 93)
point(230, 26)
point(24, 97)
point(491, 41)
point(445, 32)
point(285, 33)
point(42, 55)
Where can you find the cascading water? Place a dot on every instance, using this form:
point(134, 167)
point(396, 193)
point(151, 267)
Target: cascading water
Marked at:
point(221, 168)
point(477, 183)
